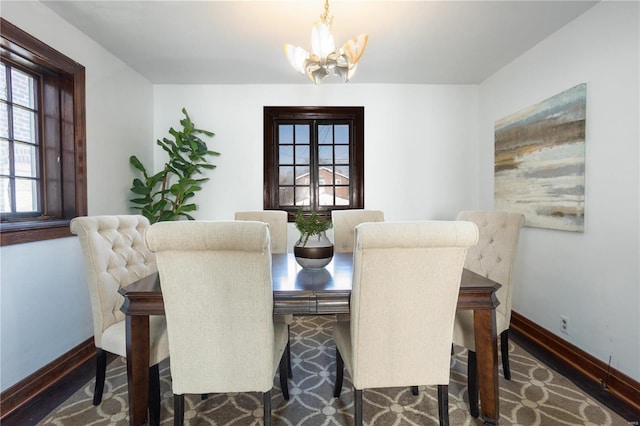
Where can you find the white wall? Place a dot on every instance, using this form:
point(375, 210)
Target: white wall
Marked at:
point(420, 142)
point(591, 277)
point(44, 300)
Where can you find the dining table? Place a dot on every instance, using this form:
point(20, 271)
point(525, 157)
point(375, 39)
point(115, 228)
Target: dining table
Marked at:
point(301, 291)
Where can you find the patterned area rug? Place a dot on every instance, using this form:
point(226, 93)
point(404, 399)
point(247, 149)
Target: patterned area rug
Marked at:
point(535, 395)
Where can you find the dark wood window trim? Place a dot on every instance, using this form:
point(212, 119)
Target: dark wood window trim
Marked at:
point(64, 137)
point(274, 115)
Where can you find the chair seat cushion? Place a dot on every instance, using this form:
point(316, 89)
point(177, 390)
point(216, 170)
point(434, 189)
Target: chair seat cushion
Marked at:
point(114, 339)
point(284, 319)
point(342, 338)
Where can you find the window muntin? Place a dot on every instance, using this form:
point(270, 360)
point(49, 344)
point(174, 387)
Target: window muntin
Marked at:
point(20, 178)
point(313, 158)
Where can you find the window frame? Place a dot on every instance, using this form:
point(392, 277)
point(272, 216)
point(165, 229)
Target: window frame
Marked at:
point(274, 115)
point(63, 137)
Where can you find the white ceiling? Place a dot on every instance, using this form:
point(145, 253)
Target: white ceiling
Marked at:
point(240, 42)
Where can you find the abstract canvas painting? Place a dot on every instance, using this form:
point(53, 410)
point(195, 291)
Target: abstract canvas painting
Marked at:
point(539, 161)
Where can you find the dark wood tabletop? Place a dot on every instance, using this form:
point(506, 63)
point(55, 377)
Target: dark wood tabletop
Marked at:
point(294, 288)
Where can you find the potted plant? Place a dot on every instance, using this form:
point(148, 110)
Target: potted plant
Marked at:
point(167, 194)
point(313, 250)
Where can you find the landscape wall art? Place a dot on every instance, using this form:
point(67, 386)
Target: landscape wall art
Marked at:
point(540, 161)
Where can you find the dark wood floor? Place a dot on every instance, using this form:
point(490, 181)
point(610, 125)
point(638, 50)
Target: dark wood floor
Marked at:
point(37, 409)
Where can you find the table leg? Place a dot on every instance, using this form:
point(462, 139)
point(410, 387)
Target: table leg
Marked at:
point(138, 367)
point(487, 358)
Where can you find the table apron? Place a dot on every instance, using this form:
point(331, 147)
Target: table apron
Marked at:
point(294, 304)
point(338, 304)
point(311, 304)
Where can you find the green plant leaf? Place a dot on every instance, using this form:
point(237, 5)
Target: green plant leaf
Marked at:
point(141, 190)
point(140, 200)
point(133, 160)
point(188, 208)
point(161, 204)
point(205, 132)
point(167, 216)
point(173, 132)
point(186, 122)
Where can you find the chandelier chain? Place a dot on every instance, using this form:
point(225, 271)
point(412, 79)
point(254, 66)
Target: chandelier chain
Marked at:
point(326, 17)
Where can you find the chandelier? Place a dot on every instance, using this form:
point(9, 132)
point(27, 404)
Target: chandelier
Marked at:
point(324, 59)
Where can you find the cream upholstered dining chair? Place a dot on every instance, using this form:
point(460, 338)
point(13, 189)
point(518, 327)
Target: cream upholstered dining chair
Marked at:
point(218, 275)
point(278, 227)
point(493, 258)
point(406, 279)
point(278, 230)
point(115, 256)
point(344, 223)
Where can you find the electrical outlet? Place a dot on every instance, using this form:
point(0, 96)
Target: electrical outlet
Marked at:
point(564, 324)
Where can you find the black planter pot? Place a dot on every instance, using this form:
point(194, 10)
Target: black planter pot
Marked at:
point(316, 253)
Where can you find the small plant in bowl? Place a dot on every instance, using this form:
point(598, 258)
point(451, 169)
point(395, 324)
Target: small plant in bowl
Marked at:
point(310, 225)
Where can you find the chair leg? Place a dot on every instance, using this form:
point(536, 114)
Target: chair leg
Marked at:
point(289, 369)
point(284, 378)
point(266, 400)
point(101, 370)
point(504, 350)
point(472, 384)
point(154, 395)
point(443, 404)
point(339, 374)
point(178, 410)
point(357, 403)
point(414, 390)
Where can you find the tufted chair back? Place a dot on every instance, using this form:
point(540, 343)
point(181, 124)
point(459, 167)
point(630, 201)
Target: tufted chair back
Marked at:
point(495, 253)
point(115, 256)
point(277, 221)
point(493, 258)
point(344, 223)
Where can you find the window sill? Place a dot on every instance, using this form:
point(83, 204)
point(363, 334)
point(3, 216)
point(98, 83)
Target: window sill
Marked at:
point(32, 231)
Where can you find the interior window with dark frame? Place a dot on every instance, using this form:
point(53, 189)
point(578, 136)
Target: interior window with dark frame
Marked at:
point(42, 139)
point(20, 194)
point(313, 158)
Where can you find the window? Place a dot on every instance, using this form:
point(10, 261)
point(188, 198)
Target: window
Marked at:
point(42, 139)
point(19, 143)
point(313, 158)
